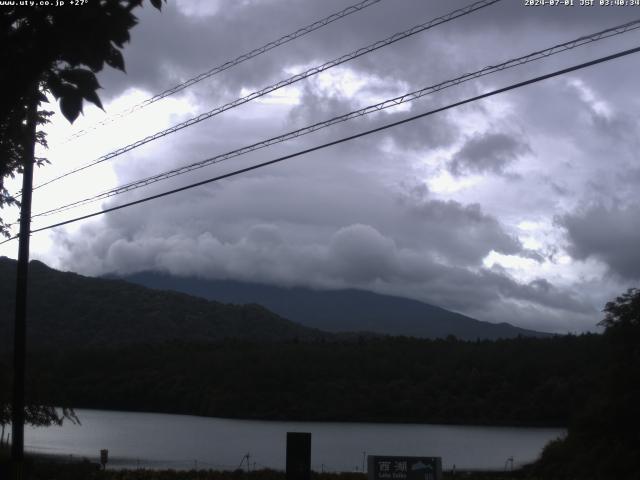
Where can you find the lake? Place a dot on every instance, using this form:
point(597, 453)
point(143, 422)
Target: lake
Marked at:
point(152, 440)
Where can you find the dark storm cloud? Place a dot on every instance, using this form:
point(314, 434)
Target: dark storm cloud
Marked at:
point(465, 232)
point(170, 46)
point(609, 234)
point(539, 291)
point(310, 198)
point(360, 215)
point(192, 44)
point(489, 152)
point(426, 134)
point(345, 237)
point(357, 255)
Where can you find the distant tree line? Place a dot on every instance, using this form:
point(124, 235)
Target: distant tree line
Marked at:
point(524, 381)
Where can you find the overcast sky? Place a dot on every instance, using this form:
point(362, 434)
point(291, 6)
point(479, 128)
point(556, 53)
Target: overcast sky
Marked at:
point(521, 208)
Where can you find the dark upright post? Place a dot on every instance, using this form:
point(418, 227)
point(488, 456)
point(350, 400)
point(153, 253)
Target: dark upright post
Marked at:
point(19, 342)
point(298, 456)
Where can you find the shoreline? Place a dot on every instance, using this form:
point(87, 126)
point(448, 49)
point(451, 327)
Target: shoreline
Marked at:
point(334, 421)
point(70, 463)
point(82, 468)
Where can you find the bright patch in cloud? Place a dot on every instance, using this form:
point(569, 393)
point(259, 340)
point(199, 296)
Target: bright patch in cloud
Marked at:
point(343, 83)
point(587, 95)
point(198, 8)
point(339, 82)
point(533, 236)
point(283, 96)
point(511, 262)
point(445, 183)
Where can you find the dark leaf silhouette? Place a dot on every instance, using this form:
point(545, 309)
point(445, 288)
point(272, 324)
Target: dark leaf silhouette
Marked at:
point(56, 87)
point(57, 50)
point(92, 97)
point(84, 79)
point(114, 59)
point(71, 106)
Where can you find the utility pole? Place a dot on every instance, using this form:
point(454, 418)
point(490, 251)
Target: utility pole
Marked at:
point(20, 328)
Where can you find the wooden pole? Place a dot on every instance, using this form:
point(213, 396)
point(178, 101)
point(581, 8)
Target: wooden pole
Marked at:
point(20, 329)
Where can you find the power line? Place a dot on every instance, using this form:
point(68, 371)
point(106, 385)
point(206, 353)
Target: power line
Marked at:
point(586, 39)
point(344, 139)
point(283, 83)
point(232, 63)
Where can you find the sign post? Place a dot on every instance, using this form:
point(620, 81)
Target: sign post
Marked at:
point(404, 468)
point(104, 458)
point(298, 456)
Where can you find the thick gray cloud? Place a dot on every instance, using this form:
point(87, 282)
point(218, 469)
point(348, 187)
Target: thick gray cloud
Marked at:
point(355, 256)
point(465, 232)
point(489, 152)
point(609, 234)
point(419, 247)
point(399, 211)
point(311, 211)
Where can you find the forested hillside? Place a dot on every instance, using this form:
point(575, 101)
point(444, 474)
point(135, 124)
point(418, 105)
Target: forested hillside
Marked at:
point(509, 382)
point(67, 310)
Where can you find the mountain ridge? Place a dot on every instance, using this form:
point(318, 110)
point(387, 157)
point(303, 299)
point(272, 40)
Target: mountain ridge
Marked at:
point(68, 310)
point(348, 310)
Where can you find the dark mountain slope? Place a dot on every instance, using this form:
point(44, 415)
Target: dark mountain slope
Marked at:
point(70, 310)
point(340, 310)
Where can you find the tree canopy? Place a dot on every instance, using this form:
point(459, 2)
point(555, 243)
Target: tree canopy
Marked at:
point(603, 440)
point(624, 312)
point(56, 50)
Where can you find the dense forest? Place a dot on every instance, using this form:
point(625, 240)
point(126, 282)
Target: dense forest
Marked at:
point(525, 381)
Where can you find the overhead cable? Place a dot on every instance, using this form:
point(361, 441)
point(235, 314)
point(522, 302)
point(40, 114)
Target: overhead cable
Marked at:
point(341, 140)
point(531, 57)
point(283, 83)
point(232, 63)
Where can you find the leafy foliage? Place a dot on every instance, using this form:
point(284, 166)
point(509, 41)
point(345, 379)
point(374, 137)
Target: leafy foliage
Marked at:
point(35, 414)
point(58, 50)
point(12, 135)
point(39, 415)
point(603, 441)
point(623, 314)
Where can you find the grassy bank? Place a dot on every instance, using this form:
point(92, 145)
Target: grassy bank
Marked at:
point(275, 475)
point(46, 468)
point(43, 468)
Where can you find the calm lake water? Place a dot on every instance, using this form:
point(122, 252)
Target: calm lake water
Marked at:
point(153, 440)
